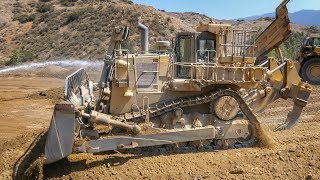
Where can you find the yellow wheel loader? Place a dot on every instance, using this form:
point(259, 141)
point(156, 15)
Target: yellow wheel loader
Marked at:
point(201, 93)
point(309, 58)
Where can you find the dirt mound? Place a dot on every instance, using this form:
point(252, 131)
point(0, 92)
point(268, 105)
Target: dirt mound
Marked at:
point(55, 94)
point(17, 155)
point(30, 164)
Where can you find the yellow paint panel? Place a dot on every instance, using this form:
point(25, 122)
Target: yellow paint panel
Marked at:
point(317, 50)
point(164, 65)
point(276, 75)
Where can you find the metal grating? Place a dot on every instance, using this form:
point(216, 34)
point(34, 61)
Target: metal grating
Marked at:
point(147, 75)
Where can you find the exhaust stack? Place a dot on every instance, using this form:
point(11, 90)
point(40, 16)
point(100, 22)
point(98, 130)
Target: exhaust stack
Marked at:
point(144, 35)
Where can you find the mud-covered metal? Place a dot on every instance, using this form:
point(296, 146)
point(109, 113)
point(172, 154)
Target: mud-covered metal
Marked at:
point(220, 132)
point(127, 142)
point(78, 89)
point(60, 137)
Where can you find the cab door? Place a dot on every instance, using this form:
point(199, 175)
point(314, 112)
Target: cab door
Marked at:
point(185, 54)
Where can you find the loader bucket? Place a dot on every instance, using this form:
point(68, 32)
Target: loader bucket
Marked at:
point(60, 137)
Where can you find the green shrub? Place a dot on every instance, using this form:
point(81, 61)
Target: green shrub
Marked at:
point(128, 1)
point(43, 17)
point(73, 16)
point(68, 2)
point(44, 7)
point(129, 45)
point(20, 56)
point(290, 47)
point(3, 62)
point(25, 18)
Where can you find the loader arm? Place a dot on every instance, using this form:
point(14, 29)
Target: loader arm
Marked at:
point(276, 33)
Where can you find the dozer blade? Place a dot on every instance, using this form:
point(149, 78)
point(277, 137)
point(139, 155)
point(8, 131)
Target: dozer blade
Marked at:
point(60, 138)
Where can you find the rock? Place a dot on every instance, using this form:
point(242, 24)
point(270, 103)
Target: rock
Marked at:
point(108, 165)
point(275, 167)
point(281, 158)
point(42, 94)
point(237, 170)
point(292, 149)
point(298, 155)
point(309, 177)
point(312, 163)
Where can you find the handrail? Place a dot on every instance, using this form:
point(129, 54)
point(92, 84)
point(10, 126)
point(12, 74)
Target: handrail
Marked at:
point(208, 55)
point(205, 68)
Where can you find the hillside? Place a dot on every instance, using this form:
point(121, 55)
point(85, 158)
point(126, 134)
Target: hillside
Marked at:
point(74, 29)
point(303, 17)
point(52, 30)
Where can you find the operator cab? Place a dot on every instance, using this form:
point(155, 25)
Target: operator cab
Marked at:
point(309, 44)
point(194, 47)
point(312, 41)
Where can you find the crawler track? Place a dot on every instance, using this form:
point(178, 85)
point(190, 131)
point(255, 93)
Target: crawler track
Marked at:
point(204, 145)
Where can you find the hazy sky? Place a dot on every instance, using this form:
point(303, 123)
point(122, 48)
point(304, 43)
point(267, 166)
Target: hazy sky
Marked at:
point(229, 9)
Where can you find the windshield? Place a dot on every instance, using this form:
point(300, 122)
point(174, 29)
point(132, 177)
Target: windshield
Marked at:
point(316, 42)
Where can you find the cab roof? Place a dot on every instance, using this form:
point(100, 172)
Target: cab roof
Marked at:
point(213, 27)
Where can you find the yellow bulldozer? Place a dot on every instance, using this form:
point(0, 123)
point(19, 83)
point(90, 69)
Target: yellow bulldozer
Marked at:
point(199, 93)
point(309, 58)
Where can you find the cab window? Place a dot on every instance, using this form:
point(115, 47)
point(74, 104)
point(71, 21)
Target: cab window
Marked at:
point(206, 46)
point(185, 56)
point(206, 50)
point(309, 42)
point(185, 49)
point(316, 42)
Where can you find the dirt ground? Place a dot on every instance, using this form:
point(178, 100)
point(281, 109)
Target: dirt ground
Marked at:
point(26, 105)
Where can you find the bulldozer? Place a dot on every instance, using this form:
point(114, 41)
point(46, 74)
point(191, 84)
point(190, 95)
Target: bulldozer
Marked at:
point(199, 92)
point(309, 58)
